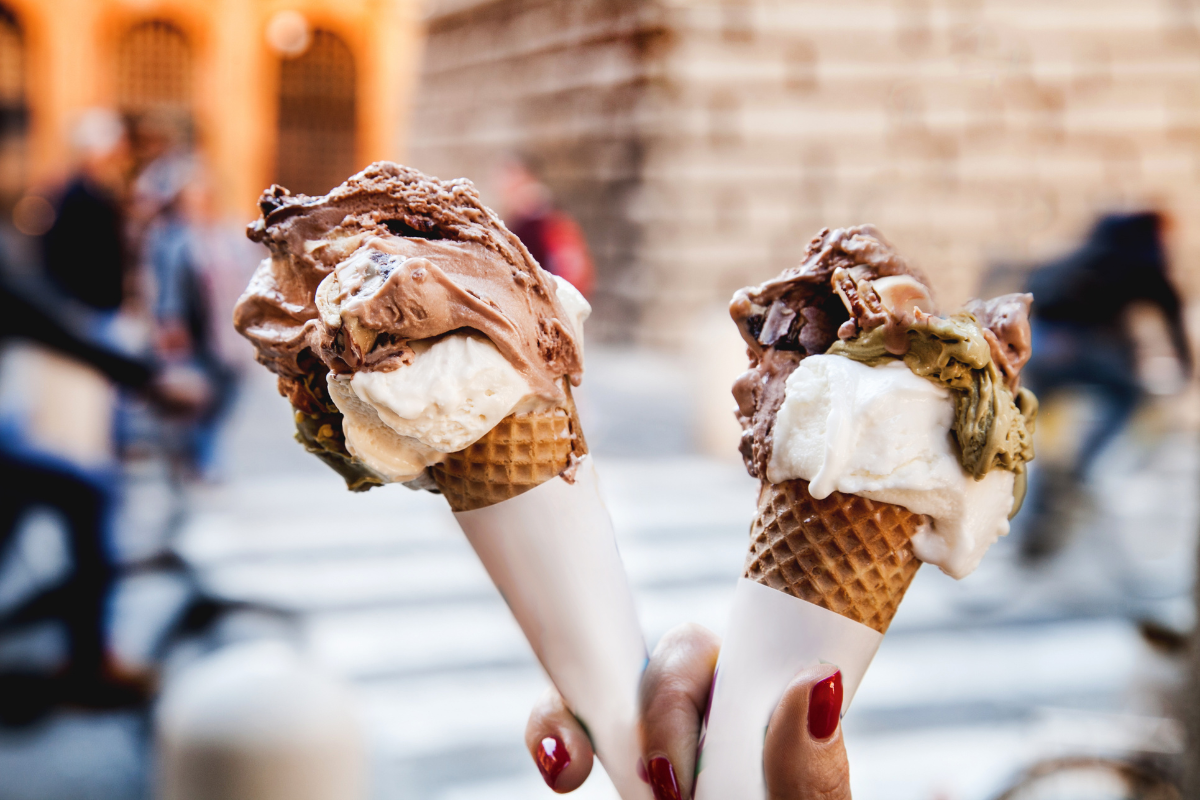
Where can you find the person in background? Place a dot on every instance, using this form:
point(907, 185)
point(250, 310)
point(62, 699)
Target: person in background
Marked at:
point(175, 254)
point(1081, 340)
point(65, 353)
point(552, 237)
point(84, 251)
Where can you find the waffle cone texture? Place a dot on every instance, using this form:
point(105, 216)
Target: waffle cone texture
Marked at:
point(523, 451)
point(845, 553)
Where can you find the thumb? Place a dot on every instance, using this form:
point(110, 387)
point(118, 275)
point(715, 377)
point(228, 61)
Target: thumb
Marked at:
point(804, 756)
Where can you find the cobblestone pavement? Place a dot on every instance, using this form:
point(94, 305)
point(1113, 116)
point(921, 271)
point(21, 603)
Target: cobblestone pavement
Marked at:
point(974, 681)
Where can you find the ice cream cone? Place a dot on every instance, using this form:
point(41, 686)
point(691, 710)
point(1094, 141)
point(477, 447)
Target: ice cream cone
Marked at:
point(521, 452)
point(846, 553)
point(552, 554)
point(425, 321)
point(823, 580)
point(856, 382)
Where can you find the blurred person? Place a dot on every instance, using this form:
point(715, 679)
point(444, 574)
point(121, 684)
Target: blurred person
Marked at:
point(804, 755)
point(84, 252)
point(64, 360)
point(33, 476)
point(177, 256)
point(1082, 340)
point(551, 236)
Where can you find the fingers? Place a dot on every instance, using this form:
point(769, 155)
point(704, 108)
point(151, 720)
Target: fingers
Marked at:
point(804, 755)
point(674, 695)
point(558, 744)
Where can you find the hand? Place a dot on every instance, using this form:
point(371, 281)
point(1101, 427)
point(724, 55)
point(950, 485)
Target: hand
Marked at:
point(804, 756)
point(179, 392)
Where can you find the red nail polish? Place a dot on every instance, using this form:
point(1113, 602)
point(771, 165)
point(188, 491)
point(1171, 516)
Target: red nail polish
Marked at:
point(825, 706)
point(662, 779)
point(552, 758)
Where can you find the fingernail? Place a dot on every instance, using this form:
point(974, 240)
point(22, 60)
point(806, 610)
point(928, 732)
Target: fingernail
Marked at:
point(825, 706)
point(552, 758)
point(641, 771)
point(662, 779)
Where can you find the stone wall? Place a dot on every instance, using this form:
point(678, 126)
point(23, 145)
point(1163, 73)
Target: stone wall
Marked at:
point(702, 143)
point(561, 84)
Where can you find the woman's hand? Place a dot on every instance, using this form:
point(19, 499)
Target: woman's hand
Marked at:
point(804, 756)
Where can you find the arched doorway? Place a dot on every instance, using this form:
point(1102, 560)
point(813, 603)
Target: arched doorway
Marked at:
point(155, 86)
point(14, 111)
point(317, 117)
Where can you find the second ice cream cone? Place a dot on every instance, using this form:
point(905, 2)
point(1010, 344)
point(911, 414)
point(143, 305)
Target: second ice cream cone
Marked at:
point(845, 553)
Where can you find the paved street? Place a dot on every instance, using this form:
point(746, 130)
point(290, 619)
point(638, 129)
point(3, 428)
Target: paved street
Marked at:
point(974, 681)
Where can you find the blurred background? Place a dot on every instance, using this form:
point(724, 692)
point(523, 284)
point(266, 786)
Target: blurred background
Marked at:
point(178, 576)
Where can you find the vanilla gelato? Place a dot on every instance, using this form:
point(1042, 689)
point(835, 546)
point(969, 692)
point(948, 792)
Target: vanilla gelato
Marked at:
point(450, 394)
point(884, 433)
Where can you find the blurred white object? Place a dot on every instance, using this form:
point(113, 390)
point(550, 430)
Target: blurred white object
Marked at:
point(553, 555)
point(288, 33)
point(257, 722)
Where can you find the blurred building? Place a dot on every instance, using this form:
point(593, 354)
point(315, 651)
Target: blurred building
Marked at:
point(302, 92)
point(701, 143)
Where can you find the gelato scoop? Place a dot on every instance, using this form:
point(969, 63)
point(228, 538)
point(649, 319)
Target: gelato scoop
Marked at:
point(405, 322)
point(856, 385)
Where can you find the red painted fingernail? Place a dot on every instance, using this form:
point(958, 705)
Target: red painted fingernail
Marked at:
point(552, 758)
point(641, 771)
point(825, 706)
point(662, 779)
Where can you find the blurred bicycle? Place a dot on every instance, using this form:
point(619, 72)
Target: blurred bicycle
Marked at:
point(1095, 778)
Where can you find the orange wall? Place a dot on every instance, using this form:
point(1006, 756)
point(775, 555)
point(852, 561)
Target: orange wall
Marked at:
point(70, 52)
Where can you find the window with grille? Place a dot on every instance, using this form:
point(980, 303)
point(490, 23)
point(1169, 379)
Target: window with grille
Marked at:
point(317, 117)
point(14, 113)
point(154, 69)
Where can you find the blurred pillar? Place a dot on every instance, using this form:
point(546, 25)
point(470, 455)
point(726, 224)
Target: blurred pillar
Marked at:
point(63, 48)
point(390, 58)
point(255, 722)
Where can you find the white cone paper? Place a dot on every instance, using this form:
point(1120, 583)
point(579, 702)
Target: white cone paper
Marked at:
point(771, 637)
point(553, 555)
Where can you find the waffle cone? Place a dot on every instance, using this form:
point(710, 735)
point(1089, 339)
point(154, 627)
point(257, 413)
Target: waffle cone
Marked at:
point(521, 452)
point(845, 553)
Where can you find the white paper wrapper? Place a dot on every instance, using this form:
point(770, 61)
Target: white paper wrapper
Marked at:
point(553, 555)
point(770, 638)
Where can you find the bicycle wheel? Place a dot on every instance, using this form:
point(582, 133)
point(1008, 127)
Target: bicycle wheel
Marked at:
point(1086, 778)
